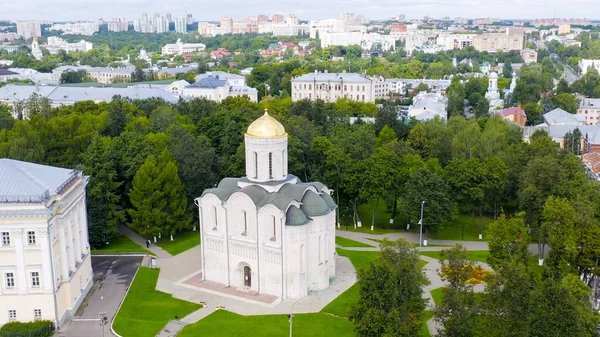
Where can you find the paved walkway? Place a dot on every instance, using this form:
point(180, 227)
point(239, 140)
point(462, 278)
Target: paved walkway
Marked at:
point(177, 271)
point(159, 252)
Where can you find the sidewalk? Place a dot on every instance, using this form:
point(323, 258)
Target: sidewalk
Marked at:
point(159, 252)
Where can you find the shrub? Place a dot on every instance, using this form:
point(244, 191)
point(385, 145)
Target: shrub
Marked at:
point(27, 329)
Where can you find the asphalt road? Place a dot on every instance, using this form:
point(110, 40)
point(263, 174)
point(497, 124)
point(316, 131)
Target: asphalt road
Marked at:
point(113, 275)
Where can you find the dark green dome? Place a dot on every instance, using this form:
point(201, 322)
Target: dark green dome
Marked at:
point(295, 217)
point(314, 205)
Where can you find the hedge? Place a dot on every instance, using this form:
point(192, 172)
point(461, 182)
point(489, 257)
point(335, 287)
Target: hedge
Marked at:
point(27, 329)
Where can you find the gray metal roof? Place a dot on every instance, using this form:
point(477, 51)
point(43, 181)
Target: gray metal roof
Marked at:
point(13, 92)
point(66, 95)
point(27, 182)
point(312, 203)
point(560, 116)
point(295, 217)
point(208, 82)
point(4, 72)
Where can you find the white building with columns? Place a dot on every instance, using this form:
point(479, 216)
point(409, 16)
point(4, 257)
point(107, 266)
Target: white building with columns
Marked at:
point(45, 268)
point(268, 232)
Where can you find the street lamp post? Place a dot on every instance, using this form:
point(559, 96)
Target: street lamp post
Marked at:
point(421, 226)
point(292, 315)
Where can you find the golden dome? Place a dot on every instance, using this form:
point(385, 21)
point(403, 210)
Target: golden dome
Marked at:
point(266, 127)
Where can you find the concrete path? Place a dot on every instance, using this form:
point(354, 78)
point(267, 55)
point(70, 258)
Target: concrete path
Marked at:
point(159, 252)
point(431, 269)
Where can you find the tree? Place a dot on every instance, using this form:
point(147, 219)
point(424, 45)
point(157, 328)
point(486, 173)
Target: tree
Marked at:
point(573, 141)
point(103, 197)
point(567, 102)
point(6, 119)
point(138, 75)
point(482, 109)
point(71, 76)
point(466, 179)
point(456, 99)
point(458, 311)
point(382, 176)
point(560, 311)
point(562, 87)
point(507, 70)
point(417, 139)
point(558, 229)
point(533, 111)
point(425, 185)
point(508, 241)
point(390, 293)
point(196, 160)
point(159, 205)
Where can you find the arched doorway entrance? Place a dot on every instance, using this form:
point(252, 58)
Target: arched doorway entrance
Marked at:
point(247, 277)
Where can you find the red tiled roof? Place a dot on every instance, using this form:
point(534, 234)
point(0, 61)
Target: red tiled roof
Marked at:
point(592, 160)
point(512, 111)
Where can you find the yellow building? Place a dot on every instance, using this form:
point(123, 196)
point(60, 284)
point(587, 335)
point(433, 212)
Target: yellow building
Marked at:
point(45, 267)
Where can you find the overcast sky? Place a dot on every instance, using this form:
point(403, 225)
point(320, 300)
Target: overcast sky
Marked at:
point(69, 10)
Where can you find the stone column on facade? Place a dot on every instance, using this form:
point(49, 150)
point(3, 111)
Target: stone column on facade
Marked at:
point(20, 277)
point(71, 248)
point(83, 226)
point(64, 266)
point(46, 263)
point(75, 218)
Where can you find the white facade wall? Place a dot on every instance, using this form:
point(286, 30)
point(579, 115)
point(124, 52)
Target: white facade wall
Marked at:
point(585, 65)
point(331, 91)
point(590, 109)
point(60, 256)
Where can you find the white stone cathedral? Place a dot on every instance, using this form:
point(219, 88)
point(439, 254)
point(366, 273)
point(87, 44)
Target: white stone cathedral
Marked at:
point(268, 232)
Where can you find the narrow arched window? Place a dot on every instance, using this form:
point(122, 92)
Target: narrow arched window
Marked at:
point(320, 249)
point(274, 237)
point(270, 165)
point(216, 218)
point(255, 165)
point(283, 173)
point(245, 232)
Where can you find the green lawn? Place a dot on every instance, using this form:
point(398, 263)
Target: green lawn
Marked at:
point(472, 255)
point(121, 244)
point(454, 231)
point(340, 241)
point(181, 242)
point(145, 311)
point(224, 323)
point(342, 304)
point(359, 259)
point(424, 332)
point(438, 295)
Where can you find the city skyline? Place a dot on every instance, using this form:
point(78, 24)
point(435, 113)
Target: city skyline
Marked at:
point(71, 10)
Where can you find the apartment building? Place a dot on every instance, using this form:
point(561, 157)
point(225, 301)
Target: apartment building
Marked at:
point(46, 271)
point(492, 42)
point(590, 109)
point(29, 29)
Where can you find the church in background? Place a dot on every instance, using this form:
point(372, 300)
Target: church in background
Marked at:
point(268, 232)
point(45, 265)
